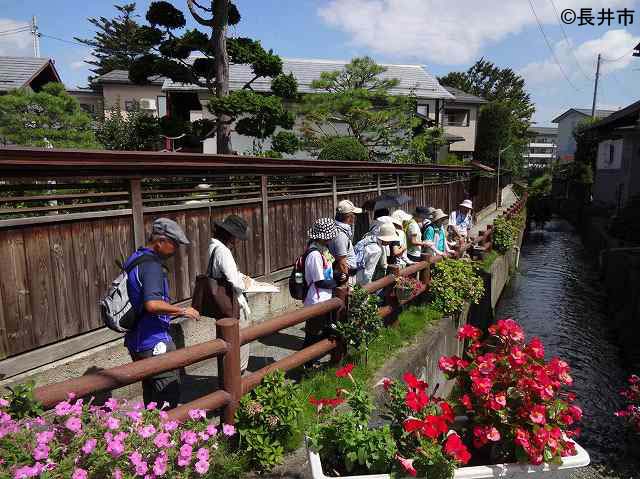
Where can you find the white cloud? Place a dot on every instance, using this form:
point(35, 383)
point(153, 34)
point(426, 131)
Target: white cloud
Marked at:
point(81, 64)
point(442, 31)
point(15, 44)
point(614, 44)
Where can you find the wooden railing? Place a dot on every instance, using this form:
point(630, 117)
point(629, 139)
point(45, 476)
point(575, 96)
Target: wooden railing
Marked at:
point(230, 337)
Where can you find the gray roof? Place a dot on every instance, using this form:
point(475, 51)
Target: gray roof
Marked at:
point(585, 112)
point(122, 77)
point(17, 72)
point(463, 96)
point(413, 78)
point(543, 130)
point(630, 113)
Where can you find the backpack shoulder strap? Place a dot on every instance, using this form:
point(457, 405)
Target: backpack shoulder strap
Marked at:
point(145, 258)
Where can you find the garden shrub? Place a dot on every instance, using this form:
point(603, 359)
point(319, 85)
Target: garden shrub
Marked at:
point(22, 402)
point(344, 148)
point(504, 235)
point(363, 323)
point(453, 283)
point(268, 421)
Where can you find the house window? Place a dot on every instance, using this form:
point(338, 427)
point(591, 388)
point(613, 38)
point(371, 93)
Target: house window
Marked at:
point(423, 110)
point(131, 105)
point(88, 108)
point(162, 106)
point(456, 117)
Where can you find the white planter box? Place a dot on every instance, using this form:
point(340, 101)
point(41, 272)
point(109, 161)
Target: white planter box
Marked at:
point(510, 471)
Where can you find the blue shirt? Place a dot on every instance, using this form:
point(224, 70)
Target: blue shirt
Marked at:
point(430, 235)
point(147, 282)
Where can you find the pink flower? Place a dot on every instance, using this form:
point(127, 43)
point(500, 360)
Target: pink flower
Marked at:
point(142, 468)
point(3, 402)
point(184, 461)
point(537, 415)
point(151, 406)
point(228, 430)
point(189, 437)
point(407, 465)
point(63, 408)
point(202, 467)
point(212, 430)
point(171, 426)
point(203, 454)
point(79, 473)
point(44, 437)
point(162, 440)
point(160, 464)
point(136, 458)
point(89, 446)
point(115, 448)
point(117, 474)
point(112, 404)
point(113, 423)
point(146, 431)
point(135, 416)
point(73, 424)
point(186, 450)
point(196, 414)
point(41, 452)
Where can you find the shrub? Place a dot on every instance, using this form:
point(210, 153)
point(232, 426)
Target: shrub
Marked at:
point(631, 413)
point(22, 402)
point(268, 421)
point(455, 282)
point(363, 323)
point(80, 440)
point(517, 403)
point(344, 148)
point(503, 235)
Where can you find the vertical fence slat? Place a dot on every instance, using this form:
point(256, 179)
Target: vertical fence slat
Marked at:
point(266, 245)
point(137, 212)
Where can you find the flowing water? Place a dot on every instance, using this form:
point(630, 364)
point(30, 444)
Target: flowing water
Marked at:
point(556, 295)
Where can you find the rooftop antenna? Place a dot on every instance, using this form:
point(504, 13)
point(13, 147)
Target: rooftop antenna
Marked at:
point(36, 37)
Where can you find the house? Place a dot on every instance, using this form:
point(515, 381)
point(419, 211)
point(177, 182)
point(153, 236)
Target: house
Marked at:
point(90, 100)
point(26, 72)
point(542, 150)
point(567, 122)
point(189, 101)
point(617, 178)
point(460, 122)
point(115, 88)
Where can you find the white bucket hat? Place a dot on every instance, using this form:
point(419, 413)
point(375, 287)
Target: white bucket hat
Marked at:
point(389, 219)
point(401, 215)
point(467, 204)
point(346, 206)
point(438, 215)
point(387, 232)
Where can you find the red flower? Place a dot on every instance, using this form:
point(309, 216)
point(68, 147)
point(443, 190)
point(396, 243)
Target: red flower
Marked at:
point(407, 465)
point(330, 402)
point(416, 401)
point(481, 385)
point(433, 426)
point(498, 401)
point(517, 357)
point(448, 364)
point(455, 448)
point(536, 348)
point(345, 371)
point(413, 382)
point(538, 414)
point(468, 332)
point(466, 402)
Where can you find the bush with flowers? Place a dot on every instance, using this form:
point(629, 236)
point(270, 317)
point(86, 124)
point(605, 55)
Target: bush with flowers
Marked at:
point(407, 287)
point(631, 413)
point(455, 282)
point(517, 403)
point(118, 440)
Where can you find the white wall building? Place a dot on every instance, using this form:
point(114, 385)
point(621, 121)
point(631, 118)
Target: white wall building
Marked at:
point(542, 149)
point(567, 122)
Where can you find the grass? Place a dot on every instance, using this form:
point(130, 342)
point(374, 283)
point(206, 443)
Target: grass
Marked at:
point(323, 384)
point(487, 262)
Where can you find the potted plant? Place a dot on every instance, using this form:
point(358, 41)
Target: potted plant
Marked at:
point(407, 287)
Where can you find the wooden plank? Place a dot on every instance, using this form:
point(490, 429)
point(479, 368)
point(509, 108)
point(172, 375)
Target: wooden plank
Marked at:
point(40, 283)
point(65, 281)
point(266, 239)
point(85, 266)
point(4, 344)
point(137, 212)
point(183, 281)
point(193, 250)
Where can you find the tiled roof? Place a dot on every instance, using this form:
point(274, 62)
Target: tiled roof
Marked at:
point(16, 72)
point(413, 78)
point(122, 76)
point(585, 112)
point(463, 96)
point(628, 113)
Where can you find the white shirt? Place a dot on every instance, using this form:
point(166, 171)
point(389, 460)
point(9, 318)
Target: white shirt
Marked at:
point(461, 224)
point(224, 265)
point(414, 231)
point(315, 269)
point(373, 255)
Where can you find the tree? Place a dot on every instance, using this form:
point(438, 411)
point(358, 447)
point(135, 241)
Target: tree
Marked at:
point(49, 117)
point(494, 132)
point(345, 148)
point(117, 42)
point(586, 154)
point(357, 102)
point(133, 131)
point(253, 114)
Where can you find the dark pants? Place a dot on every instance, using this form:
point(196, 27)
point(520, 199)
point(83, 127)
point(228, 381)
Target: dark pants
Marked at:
point(163, 386)
point(316, 329)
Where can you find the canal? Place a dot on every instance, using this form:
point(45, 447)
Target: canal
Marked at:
point(556, 295)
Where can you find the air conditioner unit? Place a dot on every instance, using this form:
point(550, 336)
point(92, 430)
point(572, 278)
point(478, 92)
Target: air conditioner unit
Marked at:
point(148, 104)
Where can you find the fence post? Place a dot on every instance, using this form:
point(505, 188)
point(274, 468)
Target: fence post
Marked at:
point(341, 292)
point(137, 212)
point(334, 187)
point(266, 246)
point(425, 275)
point(228, 330)
point(398, 183)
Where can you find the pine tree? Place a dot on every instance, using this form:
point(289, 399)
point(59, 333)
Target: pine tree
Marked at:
point(117, 42)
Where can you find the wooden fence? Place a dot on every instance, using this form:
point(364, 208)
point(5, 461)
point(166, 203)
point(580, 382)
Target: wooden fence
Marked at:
point(67, 216)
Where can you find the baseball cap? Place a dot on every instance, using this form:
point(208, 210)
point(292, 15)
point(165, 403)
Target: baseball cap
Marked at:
point(170, 229)
point(346, 206)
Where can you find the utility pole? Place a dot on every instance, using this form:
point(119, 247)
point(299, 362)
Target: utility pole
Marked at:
point(595, 89)
point(36, 37)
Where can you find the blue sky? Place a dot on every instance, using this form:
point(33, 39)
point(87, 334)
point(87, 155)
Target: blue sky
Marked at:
point(442, 35)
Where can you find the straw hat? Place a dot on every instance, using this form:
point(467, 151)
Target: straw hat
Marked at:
point(438, 215)
point(467, 204)
point(387, 233)
point(389, 219)
point(401, 215)
point(323, 229)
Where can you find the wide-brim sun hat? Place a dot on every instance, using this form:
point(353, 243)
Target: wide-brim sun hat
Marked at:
point(401, 215)
point(323, 229)
point(387, 233)
point(467, 204)
point(438, 215)
point(234, 225)
point(389, 219)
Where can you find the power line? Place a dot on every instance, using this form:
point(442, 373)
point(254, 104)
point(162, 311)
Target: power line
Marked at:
point(13, 32)
point(612, 60)
point(564, 33)
point(63, 40)
point(553, 53)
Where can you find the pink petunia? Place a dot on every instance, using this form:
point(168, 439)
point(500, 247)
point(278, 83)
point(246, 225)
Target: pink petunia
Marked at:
point(196, 414)
point(115, 448)
point(171, 426)
point(73, 424)
point(202, 467)
point(89, 446)
point(203, 454)
point(162, 440)
point(113, 423)
point(41, 452)
point(3, 402)
point(228, 430)
point(212, 430)
point(79, 473)
point(142, 468)
point(189, 437)
point(147, 431)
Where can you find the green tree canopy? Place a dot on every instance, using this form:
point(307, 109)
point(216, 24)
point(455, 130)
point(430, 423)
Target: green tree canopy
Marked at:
point(49, 117)
point(133, 131)
point(117, 42)
point(356, 102)
point(202, 58)
point(493, 132)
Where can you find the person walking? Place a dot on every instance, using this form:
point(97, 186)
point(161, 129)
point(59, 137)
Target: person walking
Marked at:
point(414, 234)
point(370, 254)
point(341, 247)
point(148, 289)
point(222, 266)
point(318, 277)
point(435, 236)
